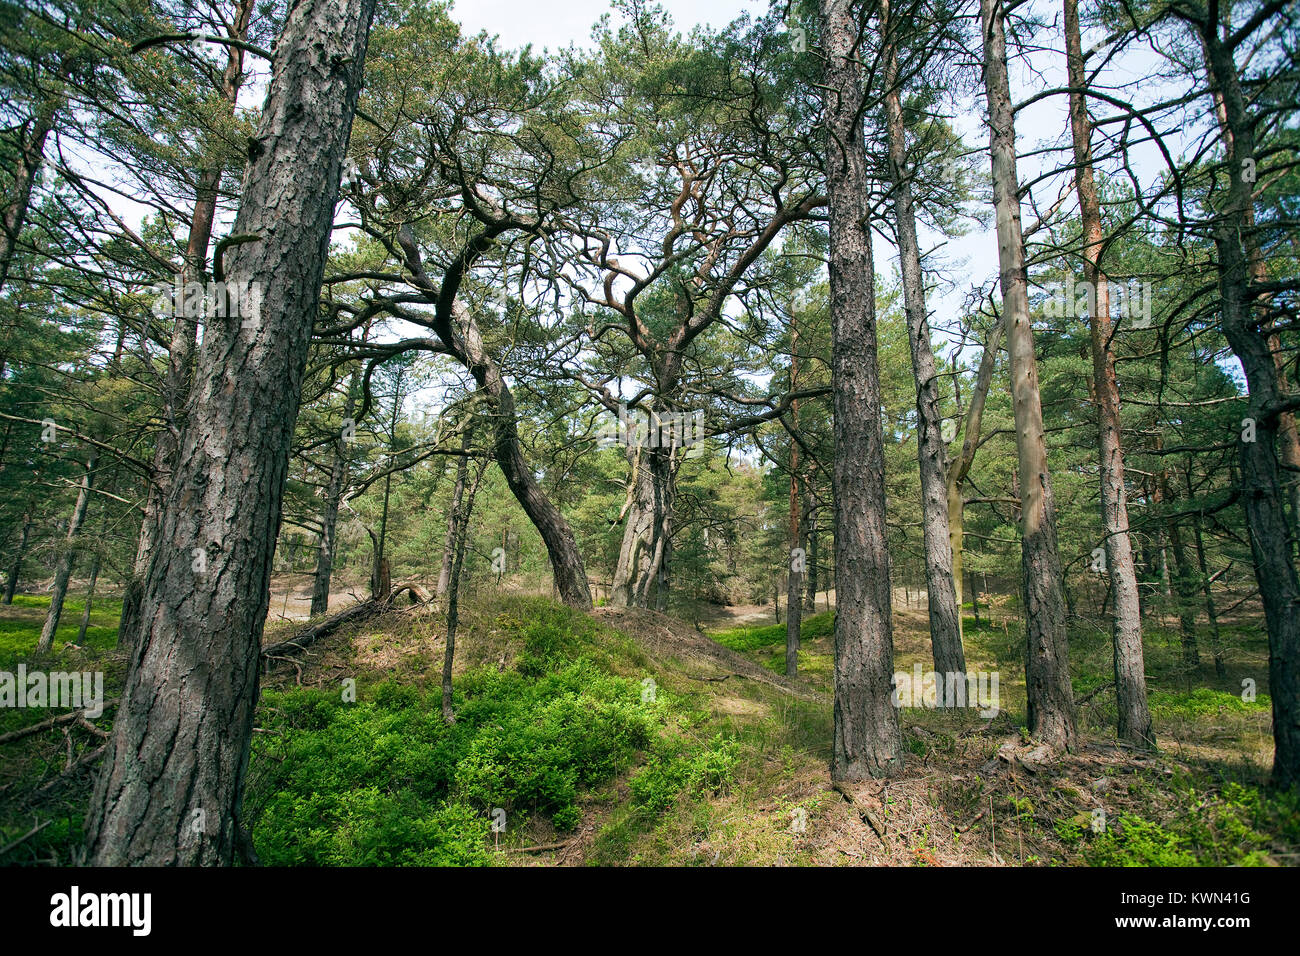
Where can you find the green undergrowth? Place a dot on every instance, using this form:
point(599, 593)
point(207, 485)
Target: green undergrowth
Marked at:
point(1237, 825)
point(384, 781)
point(746, 639)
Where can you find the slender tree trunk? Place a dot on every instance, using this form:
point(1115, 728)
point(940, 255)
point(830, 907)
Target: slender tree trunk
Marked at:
point(1210, 613)
point(90, 597)
point(16, 566)
point(320, 588)
point(1261, 484)
point(960, 466)
point(170, 789)
point(810, 544)
point(457, 495)
point(1051, 711)
point(459, 525)
point(1126, 621)
point(566, 560)
point(941, 587)
point(794, 585)
point(64, 570)
point(797, 562)
point(30, 155)
point(867, 741)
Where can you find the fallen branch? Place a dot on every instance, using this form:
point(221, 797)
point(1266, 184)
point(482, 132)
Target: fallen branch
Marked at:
point(314, 632)
point(865, 812)
point(543, 848)
point(25, 837)
point(71, 717)
point(1094, 692)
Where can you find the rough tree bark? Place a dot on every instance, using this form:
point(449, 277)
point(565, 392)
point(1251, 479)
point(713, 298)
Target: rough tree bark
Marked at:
point(180, 349)
point(643, 552)
point(867, 741)
point(941, 588)
point(1134, 725)
point(170, 789)
point(1051, 710)
point(1261, 484)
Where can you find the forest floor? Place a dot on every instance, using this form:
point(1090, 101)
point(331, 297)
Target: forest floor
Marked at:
point(630, 737)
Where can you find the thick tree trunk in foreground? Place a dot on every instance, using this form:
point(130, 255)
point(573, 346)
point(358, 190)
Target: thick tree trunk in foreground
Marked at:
point(59, 592)
point(867, 740)
point(1051, 711)
point(941, 589)
point(180, 350)
point(170, 789)
point(1126, 620)
point(1261, 484)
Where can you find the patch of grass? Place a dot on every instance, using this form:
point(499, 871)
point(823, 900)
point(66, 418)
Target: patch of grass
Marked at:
point(746, 639)
point(21, 623)
point(1235, 826)
point(1203, 702)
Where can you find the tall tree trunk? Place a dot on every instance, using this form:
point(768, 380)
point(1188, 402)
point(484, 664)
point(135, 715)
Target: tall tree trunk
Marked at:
point(461, 335)
point(1261, 485)
point(797, 562)
point(794, 582)
point(1288, 437)
point(1134, 725)
point(64, 570)
point(809, 528)
point(459, 526)
point(180, 350)
point(170, 790)
point(90, 597)
point(1051, 710)
point(320, 588)
point(941, 588)
point(648, 532)
point(867, 741)
point(16, 566)
point(960, 466)
point(457, 496)
point(30, 155)
point(1211, 614)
